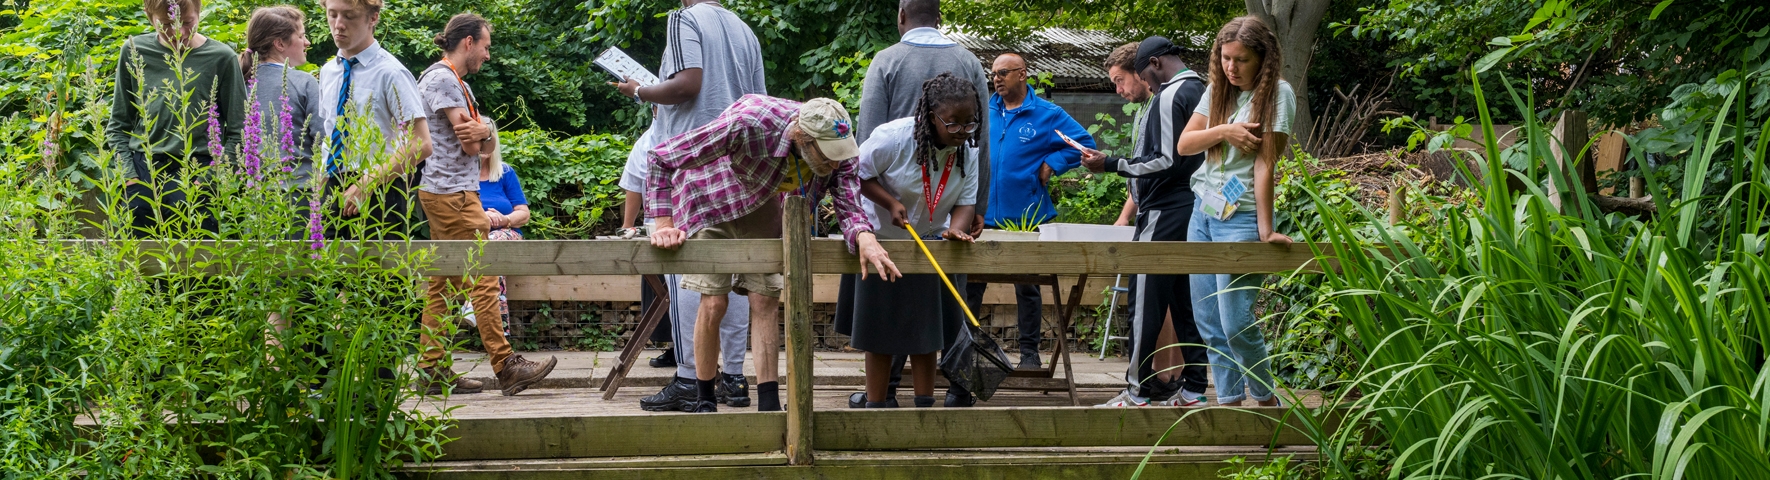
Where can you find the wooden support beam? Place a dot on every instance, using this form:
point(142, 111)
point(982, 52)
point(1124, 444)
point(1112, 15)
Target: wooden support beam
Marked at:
point(870, 430)
point(929, 468)
point(831, 256)
point(615, 436)
point(914, 429)
point(796, 254)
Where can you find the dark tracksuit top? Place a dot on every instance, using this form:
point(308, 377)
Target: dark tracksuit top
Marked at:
point(1161, 184)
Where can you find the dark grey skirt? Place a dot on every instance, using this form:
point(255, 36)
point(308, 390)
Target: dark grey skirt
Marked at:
point(911, 316)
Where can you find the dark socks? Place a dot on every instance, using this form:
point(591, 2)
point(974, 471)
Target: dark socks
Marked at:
point(768, 397)
point(706, 390)
point(924, 401)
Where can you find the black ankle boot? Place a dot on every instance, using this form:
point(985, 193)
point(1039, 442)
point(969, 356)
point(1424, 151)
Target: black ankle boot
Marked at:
point(924, 401)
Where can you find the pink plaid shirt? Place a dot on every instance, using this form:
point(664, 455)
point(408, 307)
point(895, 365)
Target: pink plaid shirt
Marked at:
point(725, 169)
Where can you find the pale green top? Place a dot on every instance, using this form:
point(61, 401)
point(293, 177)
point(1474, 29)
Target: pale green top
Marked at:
point(1212, 176)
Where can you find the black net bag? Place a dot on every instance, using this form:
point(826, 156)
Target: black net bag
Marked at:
point(975, 362)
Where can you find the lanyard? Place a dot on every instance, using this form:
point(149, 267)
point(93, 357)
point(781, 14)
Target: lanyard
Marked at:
point(933, 197)
point(471, 109)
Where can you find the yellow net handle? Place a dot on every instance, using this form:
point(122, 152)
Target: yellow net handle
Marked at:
point(943, 279)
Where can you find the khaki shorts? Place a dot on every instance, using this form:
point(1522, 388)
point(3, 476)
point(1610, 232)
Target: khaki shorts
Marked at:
point(762, 223)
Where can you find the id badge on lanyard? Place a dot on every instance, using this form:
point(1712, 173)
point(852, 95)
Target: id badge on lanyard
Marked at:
point(932, 196)
point(1220, 204)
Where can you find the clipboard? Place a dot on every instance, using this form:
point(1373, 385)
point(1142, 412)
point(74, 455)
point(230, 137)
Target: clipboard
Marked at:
point(617, 63)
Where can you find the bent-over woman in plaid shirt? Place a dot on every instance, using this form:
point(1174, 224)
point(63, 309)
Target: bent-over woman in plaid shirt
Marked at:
point(724, 180)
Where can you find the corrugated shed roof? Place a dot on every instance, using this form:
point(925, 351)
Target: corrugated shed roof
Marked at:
point(1072, 56)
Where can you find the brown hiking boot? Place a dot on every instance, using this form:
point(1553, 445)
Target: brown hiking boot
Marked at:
point(519, 373)
point(437, 378)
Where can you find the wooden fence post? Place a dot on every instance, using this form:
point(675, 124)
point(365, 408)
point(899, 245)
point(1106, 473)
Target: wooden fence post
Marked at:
point(796, 236)
point(1569, 138)
point(1398, 203)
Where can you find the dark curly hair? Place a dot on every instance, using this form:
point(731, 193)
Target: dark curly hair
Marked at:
point(944, 89)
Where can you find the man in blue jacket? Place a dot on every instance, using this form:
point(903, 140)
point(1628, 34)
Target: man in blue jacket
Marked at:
point(1025, 152)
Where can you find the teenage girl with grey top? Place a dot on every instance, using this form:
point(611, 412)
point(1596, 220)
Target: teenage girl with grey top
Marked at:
point(276, 44)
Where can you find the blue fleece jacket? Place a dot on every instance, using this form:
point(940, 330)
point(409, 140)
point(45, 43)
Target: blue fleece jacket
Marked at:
point(1020, 140)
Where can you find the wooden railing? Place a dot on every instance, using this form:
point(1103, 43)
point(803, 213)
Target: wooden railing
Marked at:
point(799, 257)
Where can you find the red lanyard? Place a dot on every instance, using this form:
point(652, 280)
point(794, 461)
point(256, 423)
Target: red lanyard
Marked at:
point(471, 109)
point(933, 197)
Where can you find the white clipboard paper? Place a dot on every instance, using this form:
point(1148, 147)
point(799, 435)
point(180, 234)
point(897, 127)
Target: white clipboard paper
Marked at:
point(1070, 141)
point(617, 63)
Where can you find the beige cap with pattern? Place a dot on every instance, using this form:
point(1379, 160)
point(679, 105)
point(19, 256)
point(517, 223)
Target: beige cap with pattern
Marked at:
point(827, 122)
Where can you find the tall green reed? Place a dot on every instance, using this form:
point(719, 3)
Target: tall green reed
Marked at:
point(1516, 340)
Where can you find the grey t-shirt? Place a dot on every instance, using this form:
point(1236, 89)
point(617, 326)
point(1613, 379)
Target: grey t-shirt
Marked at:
point(275, 83)
point(713, 39)
point(448, 170)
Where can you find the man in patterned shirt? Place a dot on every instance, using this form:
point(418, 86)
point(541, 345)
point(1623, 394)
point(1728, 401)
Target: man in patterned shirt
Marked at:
point(724, 180)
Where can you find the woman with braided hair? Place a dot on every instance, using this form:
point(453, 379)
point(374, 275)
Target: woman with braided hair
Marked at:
point(918, 171)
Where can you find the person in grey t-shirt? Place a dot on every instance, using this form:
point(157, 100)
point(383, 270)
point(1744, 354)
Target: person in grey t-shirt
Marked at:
point(711, 58)
point(276, 43)
point(450, 196)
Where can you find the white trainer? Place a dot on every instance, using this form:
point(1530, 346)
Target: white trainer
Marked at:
point(1181, 399)
point(1125, 399)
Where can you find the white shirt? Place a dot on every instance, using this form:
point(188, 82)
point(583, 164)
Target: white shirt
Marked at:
point(926, 37)
point(380, 88)
point(889, 156)
point(639, 161)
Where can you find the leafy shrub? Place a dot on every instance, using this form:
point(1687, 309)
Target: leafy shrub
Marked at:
point(125, 358)
point(1086, 197)
point(572, 182)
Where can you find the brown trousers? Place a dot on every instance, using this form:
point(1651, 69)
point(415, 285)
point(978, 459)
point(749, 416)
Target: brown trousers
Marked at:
point(459, 216)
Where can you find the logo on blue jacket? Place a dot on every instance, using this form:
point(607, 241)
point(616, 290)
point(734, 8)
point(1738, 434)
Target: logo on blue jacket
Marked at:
point(1026, 132)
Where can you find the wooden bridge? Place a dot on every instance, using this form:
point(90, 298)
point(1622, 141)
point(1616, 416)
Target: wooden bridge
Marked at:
point(909, 443)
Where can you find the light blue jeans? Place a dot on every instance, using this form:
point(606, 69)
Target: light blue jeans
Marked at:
point(1223, 306)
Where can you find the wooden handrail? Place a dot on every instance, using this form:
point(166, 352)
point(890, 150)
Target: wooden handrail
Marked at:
point(634, 257)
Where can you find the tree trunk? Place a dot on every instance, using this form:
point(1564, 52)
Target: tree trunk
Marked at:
point(1295, 23)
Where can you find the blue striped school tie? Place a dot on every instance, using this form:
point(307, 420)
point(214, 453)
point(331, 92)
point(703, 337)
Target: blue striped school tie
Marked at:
point(338, 132)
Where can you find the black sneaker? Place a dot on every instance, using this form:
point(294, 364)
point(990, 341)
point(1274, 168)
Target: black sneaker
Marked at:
point(678, 396)
point(1029, 360)
point(859, 400)
point(733, 389)
point(959, 400)
point(703, 406)
point(666, 359)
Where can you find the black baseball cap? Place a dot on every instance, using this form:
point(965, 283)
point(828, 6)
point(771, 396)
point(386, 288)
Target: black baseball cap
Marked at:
point(1154, 46)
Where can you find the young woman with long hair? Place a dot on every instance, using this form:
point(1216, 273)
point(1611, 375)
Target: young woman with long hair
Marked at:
point(1244, 124)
